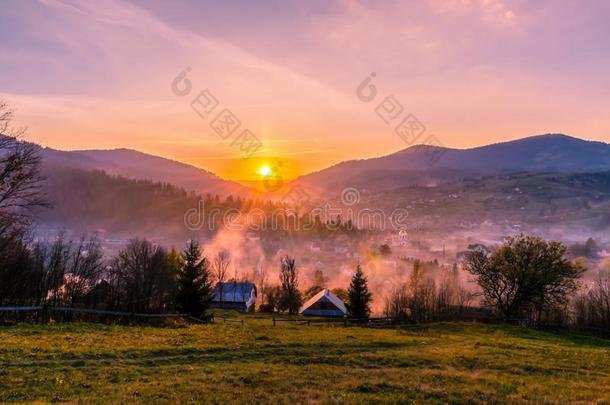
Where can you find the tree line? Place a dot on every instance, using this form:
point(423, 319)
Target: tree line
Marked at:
point(142, 278)
point(527, 280)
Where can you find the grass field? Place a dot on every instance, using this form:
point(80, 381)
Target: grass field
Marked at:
point(457, 363)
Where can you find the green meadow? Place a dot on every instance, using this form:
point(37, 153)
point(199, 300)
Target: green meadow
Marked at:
point(288, 363)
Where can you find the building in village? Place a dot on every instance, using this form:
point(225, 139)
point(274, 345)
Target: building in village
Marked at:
point(237, 295)
point(324, 303)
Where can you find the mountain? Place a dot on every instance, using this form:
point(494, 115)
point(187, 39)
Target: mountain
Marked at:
point(428, 165)
point(132, 164)
point(531, 202)
point(540, 184)
point(88, 201)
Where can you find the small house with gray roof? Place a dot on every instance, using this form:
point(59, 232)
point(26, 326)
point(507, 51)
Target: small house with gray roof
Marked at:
point(237, 295)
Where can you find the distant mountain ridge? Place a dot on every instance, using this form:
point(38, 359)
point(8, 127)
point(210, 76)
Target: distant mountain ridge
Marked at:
point(412, 166)
point(543, 180)
point(543, 153)
point(132, 164)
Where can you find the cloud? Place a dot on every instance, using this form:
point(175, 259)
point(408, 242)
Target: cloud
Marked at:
point(476, 71)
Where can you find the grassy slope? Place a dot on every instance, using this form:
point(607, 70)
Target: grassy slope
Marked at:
point(461, 363)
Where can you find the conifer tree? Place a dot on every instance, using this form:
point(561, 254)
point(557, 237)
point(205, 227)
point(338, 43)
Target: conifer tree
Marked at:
point(358, 305)
point(194, 281)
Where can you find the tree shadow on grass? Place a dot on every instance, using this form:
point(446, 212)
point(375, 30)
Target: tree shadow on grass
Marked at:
point(355, 355)
point(557, 336)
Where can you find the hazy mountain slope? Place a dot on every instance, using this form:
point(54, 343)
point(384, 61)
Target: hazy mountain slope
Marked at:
point(93, 201)
point(544, 153)
point(137, 165)
point(538, 203)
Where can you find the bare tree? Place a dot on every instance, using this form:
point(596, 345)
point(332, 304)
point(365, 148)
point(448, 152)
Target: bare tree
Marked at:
point(85, 267)
point(592, 308)
point(420, 299)
point(50, 261)
point(220, 267)
point(261, 278)
point(291, 298)
point(142, 278)
point(20, 180)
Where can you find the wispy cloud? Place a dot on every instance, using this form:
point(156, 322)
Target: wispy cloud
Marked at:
point(84, 73)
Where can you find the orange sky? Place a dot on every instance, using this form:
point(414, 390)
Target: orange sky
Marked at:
point(99, 75)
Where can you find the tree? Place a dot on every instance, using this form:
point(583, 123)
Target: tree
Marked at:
point(260, 277)
point(359, 302)
point(291, 298)
point(221, 264)
point(422, 290)
point(194, 284)
point(18, 279)
point(397, 303)
point(525, 275)
point(20, 179)
point(85, 265)
point(51, 263)
point(274, 296)
point(592, 308)
point(141, 278)
point(311, 291)
point(317, 285)
point(341, 293)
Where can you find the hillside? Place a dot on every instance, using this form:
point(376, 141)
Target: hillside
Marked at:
point(231, 363)
point(115, 207)
point(132, 164)
point(529, 202)
point(93, 201)
point(560, 185)
point(412, 166)
point(533, 202)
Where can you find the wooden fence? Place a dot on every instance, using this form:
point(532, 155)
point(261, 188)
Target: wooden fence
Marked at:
point(45, 311)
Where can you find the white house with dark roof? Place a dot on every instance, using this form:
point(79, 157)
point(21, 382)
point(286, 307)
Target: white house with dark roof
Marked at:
point(324, 303)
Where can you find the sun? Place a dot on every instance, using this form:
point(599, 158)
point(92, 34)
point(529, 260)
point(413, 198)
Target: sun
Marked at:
point(265, 171)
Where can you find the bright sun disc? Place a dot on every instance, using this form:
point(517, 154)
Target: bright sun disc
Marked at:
point(265, 171)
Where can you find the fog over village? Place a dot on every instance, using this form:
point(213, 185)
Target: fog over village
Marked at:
point(342, 201)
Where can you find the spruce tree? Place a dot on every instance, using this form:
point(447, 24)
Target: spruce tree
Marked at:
point(358, 305)
point(194, 282)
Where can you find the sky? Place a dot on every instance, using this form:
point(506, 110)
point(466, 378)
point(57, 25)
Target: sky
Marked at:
point(83, 74)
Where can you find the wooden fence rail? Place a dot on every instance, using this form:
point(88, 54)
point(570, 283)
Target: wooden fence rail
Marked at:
point(87, 311)
point(20, 309)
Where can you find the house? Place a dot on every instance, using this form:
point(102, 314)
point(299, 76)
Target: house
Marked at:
point(324, 303)
point(239, 296)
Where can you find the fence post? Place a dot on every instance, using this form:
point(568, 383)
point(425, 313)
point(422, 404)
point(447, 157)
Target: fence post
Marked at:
point(274, 321)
